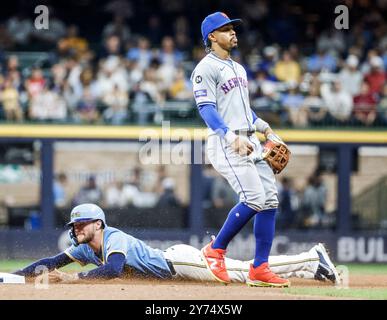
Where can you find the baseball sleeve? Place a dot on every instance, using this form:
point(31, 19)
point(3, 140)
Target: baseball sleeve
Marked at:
point(204, 84)
point(116, 243)
point(77, 254)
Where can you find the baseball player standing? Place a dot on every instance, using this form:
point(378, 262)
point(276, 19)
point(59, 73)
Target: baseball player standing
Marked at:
point(221, 92)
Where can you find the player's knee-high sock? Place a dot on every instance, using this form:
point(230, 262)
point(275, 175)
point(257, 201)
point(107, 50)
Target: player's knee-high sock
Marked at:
point(237, 218)
point(264, 228)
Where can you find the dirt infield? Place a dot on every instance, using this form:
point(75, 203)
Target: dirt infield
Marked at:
point(144, 289)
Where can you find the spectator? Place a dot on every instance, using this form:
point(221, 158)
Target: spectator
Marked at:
point(115, 196)
point(286, 69)
point(9, 98)
point(117, 27)
point(152, 82)
point(35, 83)
point(89, 193)
point(117, 102)
point(223, 196)
point(338, 101)
point(168, 197)
point(314, 201)
point(154, 30)
point(181, 88)
point(48, 105)
point(146, 97)
point(331, 41)
point(70, 97)
point(267, 100)
point(87, 107)
point(322, 60)
point(19, 28)
point(364, 106)
point(119, 7)
point(135, 73)
point(112, 46)
point(262, 85)
point(366, 66)
point(382, 106)
point(377, 77)
point(183, 44)
point(270, 56)
point(351, 78)
point(293, 104)
point(12, 72)
point(58, 72)
point(112, 74)
point(74, 70)
point(208, 178)
point(60, 195)
point(141, 53)
point(141, 105)
point(72, 44)
point(315, 106)
point(6, 40)
point(169, 59)
point(134, 194)
point(288, 204)
point(168, 54)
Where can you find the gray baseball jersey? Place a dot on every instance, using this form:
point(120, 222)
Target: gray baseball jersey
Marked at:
point(223, 83)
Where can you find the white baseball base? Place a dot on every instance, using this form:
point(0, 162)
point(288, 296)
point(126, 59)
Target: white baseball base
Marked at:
point(9, 278)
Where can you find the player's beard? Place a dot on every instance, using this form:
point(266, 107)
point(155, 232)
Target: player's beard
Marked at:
point(86, 238)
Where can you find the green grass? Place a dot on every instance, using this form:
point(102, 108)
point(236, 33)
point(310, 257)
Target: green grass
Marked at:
point(350, 293)
point(371, 269)
point(363, 293)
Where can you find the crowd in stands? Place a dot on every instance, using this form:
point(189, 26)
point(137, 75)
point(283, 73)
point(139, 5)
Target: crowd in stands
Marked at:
point(304, 206)
point(301, 71)
point(134, 191)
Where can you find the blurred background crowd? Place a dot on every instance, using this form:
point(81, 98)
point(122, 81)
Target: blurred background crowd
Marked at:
point(300, 208)
point(118, 62)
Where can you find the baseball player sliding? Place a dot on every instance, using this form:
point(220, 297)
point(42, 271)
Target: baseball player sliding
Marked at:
point(116, 253)
point(220, 89)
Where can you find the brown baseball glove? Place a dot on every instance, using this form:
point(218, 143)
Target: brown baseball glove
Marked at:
point(276, 154)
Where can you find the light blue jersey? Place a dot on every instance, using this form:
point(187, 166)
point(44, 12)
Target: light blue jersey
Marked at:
point(138, 255)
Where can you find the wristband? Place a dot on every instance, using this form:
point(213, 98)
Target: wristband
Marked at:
point(261, 125)
point(230, 136)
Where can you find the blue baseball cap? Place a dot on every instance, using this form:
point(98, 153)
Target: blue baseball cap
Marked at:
point(86, 212)
point(215, 21)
